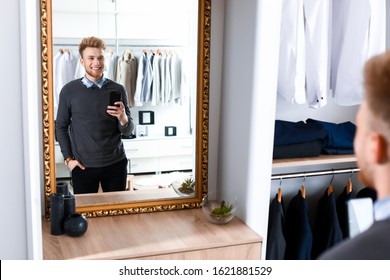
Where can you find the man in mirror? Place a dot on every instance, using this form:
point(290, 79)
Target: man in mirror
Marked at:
point(93, 114)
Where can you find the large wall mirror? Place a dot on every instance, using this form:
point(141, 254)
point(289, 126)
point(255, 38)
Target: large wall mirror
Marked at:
point(170, 140)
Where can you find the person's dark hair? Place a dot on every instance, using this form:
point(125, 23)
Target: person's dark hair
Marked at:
point(377, 85)
point(91, 42)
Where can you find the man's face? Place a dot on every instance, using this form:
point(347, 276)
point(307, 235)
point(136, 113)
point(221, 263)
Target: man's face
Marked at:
point(93, 62)
point(361, 146)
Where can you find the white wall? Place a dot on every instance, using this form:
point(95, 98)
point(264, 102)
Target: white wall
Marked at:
point(13, 241)
point(20, 209)
point(248, 102)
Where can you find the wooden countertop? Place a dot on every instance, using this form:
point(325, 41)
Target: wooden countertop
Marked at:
point(148, 234)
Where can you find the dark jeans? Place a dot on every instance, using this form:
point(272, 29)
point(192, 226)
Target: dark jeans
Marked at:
point(112, 178)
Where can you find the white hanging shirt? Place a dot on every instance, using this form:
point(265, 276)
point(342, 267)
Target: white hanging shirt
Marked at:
point(156, 86)
point(56, 94)
point(110, 65)
point(80, 70)
point(291, 73)
point(317, 36)
point(176, 77)
point(168, 81)
point(138, 86)
point(162, 79)
point(358, 32)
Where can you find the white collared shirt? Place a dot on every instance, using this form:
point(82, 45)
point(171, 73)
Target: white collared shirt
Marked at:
point(382, 209)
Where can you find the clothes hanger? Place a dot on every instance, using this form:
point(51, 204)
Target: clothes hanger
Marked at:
point(279, 197)
point(303, 190)
point(331, 188)
point(349, 184)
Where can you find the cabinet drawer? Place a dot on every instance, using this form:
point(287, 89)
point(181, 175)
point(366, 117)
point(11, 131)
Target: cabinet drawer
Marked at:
point(158, 147)
point(176, 163)
point(143, 165)
point(141, 151)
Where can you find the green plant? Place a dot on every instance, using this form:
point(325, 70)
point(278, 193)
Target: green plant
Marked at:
point(223, 209)
point(187, 186)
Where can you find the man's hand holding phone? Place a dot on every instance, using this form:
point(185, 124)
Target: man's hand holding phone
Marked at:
point(116, 108)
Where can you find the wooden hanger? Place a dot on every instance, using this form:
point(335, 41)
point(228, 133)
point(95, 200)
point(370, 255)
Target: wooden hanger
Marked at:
point(303, 191)
point(330, 190)
point(349, 186)
point(279, 195)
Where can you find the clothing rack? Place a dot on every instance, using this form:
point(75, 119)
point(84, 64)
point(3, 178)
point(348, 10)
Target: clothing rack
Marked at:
point(147, 43)
point(314, 173)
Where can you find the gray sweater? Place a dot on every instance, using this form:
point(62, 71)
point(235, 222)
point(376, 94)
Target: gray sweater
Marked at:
point(372, 244)
point(83, 127)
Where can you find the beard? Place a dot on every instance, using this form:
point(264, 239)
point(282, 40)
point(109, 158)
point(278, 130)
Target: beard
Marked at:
point(93, 73)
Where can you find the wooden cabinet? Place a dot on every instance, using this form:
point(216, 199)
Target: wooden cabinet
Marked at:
point(180, 234)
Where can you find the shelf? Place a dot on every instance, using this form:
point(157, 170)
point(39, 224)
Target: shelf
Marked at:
point(322, 159)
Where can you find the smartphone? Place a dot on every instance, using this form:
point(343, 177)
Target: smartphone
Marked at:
point(360, 215)
point(114, 97)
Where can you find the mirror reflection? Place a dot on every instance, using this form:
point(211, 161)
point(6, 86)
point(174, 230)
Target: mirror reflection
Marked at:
point(151, 51)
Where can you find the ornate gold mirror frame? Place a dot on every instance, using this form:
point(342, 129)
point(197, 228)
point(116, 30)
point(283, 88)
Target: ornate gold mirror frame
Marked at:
point(202, 124)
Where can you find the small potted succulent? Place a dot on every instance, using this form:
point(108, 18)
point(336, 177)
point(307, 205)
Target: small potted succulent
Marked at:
point(219, 211)
point(185, 187)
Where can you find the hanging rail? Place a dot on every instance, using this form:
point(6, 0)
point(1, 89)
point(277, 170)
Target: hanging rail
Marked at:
point(314, 173)
point(124, 42)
